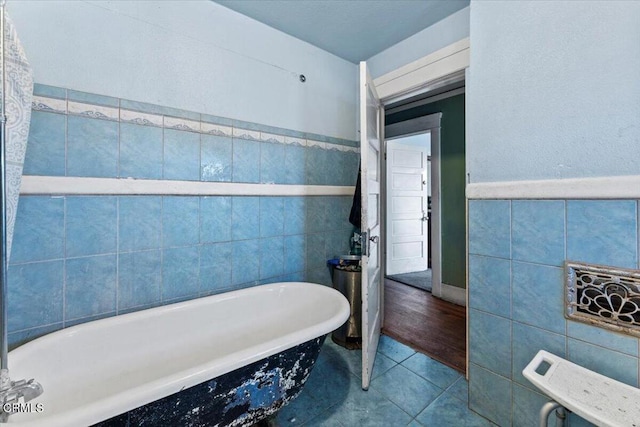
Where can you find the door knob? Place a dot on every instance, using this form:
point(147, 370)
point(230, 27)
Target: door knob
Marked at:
point(374, 239)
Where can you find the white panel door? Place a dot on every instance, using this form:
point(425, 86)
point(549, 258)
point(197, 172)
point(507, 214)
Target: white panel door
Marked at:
point(407, 204)
point(370, 128)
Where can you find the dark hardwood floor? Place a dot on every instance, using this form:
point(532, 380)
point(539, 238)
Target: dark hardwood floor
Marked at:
point(428, 324)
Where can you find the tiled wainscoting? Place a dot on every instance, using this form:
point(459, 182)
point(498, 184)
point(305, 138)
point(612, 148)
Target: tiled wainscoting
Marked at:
point(80, 257)
point(78, 134)
point(516, 303)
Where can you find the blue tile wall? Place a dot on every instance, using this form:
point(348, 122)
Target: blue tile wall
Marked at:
point(245, 218)
point(246, 261)
point(92, 147)
point(90, 225)
point(79, 258)
point(488, 393)
point(180, 272)
point(271, 160)
point(51, 91)
point(490, 273)
point(603, 338)
point(246, 160)
point(39, 229)
point(140, 151)
point(490, 228)
point(106, 137)
point(527, 341)
point(36, 288)
point(271, 257)
point(215, 219)
point(180, 221)
point(607, 362)
point(491, 346)
point(90, 98)
point(216, 158)
point(181, 155)
point(317, 165)
point(140, 223)
point(271, 216)
point(517, 249)
point(538, 231)
point(90, 286)
point(294, 164)
point(139, 278)
point(294, 254)
point(526, 406)
point(603, 232)
point(45, 150)
point(295, 215)
point(141, 251)
point(215, 267)
point(537, 295)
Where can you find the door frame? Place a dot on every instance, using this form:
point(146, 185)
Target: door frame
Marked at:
point(436, 70)
point(418, 77)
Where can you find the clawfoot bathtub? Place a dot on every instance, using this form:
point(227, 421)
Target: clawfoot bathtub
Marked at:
point(230, 359)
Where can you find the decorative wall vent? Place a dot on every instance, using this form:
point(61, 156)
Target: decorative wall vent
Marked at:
point(607, 297)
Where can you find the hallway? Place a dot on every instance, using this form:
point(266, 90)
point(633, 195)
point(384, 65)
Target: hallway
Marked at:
point(426, 323)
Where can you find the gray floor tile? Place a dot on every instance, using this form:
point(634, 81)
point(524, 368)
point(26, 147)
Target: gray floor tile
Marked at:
point(394, 350)
point(333, 397)
point(460, 390)
point(329, 384)
point(449, 411)
point(409, 391)
point(381, 365)
point(368, 409)
point(302, 409)
point(432, 370)
point(325, 419)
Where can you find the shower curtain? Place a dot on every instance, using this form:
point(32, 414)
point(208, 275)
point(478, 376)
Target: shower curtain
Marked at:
point(19, 94)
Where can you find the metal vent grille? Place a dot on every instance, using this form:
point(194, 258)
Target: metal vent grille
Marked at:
point(603, 296)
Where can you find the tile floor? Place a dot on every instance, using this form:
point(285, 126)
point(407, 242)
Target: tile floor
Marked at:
point(407, 389)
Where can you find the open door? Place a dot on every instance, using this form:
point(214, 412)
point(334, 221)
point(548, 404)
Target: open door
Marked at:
point(370, 129)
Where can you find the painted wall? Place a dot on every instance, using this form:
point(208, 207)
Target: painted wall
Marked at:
point(452, 186)
point(78, 258)
point(453, 28)
point(197, 56)
point(555, 91)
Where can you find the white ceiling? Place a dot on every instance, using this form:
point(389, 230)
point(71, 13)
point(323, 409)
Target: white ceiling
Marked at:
point(354, 30)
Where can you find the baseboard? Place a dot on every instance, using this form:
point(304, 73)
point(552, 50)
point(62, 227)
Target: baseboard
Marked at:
point(454, 294)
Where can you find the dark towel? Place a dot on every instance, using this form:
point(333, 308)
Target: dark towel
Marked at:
point(355, 215)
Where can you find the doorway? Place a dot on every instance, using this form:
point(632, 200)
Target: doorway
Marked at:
point(424, 320)
point(400, 88)
point(408, 200)
point(412, 195)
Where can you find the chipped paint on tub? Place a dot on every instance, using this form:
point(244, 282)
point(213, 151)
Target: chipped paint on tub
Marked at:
point(239, 398)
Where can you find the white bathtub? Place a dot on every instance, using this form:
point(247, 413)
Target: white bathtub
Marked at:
point(97, 370)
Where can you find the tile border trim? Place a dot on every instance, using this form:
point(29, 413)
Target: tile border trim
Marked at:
point(609, 187)
point(58, 100)
point(61, 185)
